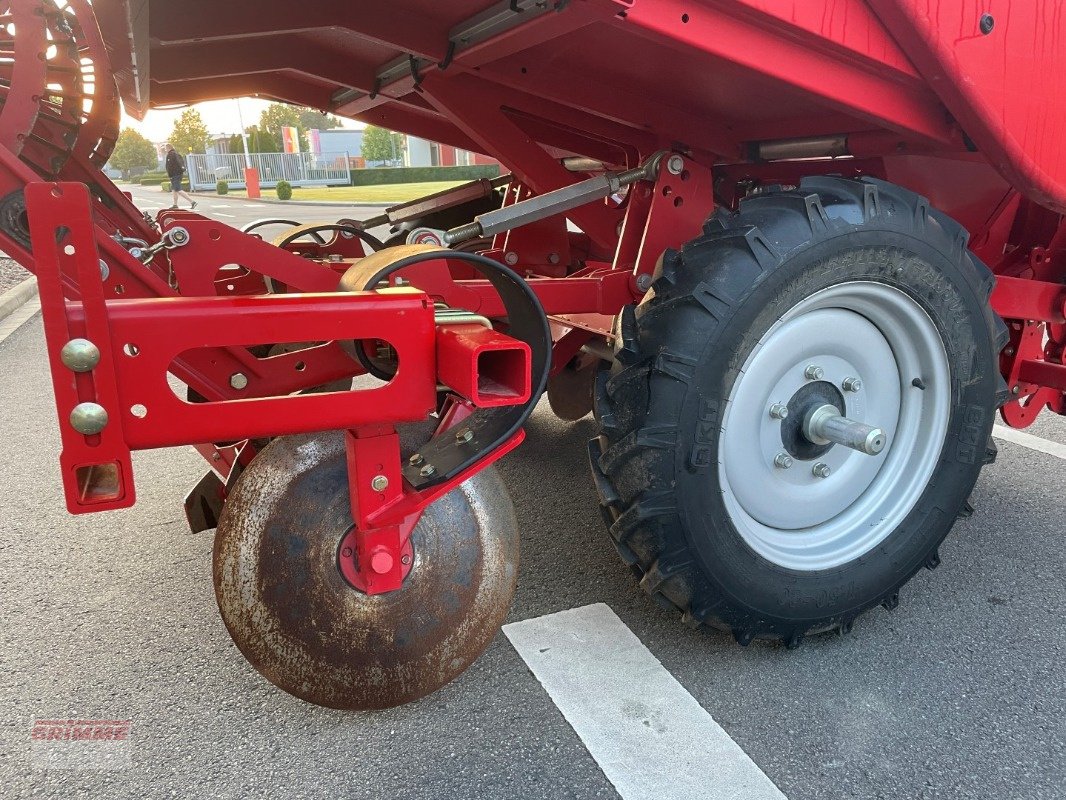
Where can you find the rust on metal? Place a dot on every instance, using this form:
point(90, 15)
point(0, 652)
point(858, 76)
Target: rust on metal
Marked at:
point(297, 620)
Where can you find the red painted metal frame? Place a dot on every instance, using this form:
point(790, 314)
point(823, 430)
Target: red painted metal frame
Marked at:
point(570, 81)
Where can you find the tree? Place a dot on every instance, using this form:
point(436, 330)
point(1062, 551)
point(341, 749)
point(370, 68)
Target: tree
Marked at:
point(309, 118)
point(261, 141)
point(190, 133)
point(282, 115)
point(131, 151)
point(381, 145)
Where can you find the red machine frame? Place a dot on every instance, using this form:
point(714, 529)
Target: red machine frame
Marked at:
point(870, 81)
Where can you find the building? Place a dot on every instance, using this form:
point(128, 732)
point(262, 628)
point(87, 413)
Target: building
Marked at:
point(424, 153)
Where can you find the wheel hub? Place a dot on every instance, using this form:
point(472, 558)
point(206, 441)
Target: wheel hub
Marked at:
point(842, 363)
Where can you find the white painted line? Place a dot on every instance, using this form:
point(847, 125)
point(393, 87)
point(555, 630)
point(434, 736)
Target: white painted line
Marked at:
point(220, 214)
point(19, 317)
point(1030, 441)
point(650, 737)
point(221, 205)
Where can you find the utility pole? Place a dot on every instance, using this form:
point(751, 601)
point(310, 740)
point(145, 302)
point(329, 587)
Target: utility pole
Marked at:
point(244, 135)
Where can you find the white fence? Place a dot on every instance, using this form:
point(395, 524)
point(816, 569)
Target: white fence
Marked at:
point(299, 169)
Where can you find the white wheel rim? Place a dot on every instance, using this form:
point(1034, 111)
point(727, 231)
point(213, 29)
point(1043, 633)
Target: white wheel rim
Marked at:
point(865, 330)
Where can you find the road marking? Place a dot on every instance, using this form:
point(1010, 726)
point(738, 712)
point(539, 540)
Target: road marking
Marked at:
point(221, 205)
point(17, 318)
point(220, 214)
point(650, 737)
point(1030, 441)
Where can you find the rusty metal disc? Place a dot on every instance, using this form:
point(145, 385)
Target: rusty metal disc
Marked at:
point(297, 620)
point(570, 390)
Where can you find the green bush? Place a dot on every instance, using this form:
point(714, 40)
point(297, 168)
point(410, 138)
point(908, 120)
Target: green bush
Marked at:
point(222, 187)
point(375, 176)
point(149, 178)
point(284, 190)
point(165, 184)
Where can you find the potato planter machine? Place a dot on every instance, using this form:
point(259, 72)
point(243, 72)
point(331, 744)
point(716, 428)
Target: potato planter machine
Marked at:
point(793, 254)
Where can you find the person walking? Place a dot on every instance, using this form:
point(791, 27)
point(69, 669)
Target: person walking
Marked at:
point(176, 171)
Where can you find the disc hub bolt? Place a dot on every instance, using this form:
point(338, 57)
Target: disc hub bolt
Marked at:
point(380, 483)
point(813, 372)
point(783, 461)
point(821, 470)
point(779, 411)
point(851, 385)
point(381, 560)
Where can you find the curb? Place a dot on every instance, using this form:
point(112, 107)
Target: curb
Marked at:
point(13, 299)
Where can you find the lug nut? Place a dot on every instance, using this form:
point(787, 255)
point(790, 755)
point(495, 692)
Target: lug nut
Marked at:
point(380, 483)
point(821, 470)
point(851, 385)
point(238, 380)
point(88, 418)
point(814, 372)
point(783, 461)
point(779, 411)
point(80, 355)
point(427, 470)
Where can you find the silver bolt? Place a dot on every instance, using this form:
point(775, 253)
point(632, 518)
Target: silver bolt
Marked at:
point(675, 164)
point(820, 470)
point(553, 258)
point(238, 380)
point(1016, 389)
point(511, 258)
point(464, 435)
point(415, 460)
point(851, 384)
point(380, 483)
point(105, 271)
point(783, 461)
point(779, 411)
point(644, 282)
point(1009, 351)
point(813, 372)
point(88, 418)
point(80, 355)
point(427, 470)
point(178, 236)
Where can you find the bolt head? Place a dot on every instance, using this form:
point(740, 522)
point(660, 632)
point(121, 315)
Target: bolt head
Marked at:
point(88, 418)
point(813, 372)
point(465, 435)
point(553, 258)
point(821, 470)
point(238, 380)
point(675, 164)
point(779, 411)
point(783, 461)
point(381, 560)
point(80, 355)
point(851, 385)
point(380, 483)
point(511, 258)
point(427, 470)
point(644, 282)
point(179, 236)
point(415, 459)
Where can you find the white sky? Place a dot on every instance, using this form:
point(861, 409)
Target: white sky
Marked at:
point(220, 116)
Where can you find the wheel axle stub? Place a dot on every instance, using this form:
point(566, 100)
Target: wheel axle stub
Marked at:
point(825, 424)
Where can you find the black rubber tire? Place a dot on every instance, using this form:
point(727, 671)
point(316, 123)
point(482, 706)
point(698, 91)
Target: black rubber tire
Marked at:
point(678, 355)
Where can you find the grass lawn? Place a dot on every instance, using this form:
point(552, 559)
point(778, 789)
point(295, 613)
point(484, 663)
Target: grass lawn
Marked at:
point(387, 193)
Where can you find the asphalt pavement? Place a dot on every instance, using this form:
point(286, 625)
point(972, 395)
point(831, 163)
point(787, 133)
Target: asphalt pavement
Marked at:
point(958, 693)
